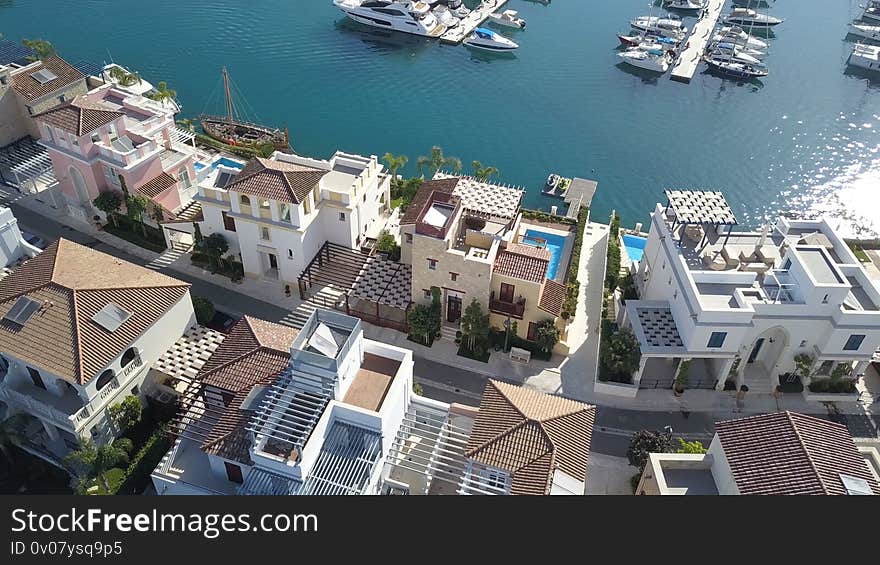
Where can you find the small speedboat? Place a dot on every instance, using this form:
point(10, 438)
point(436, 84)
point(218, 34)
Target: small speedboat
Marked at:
point(866, 31)
point(733, 52)
point(738, 35)
point(735, 69)
point(655, 60)
point(872, 10)
point(865, 56)
point(668, 27)
point(685, 5)
point(507, 18)
point(552, 181)
point(750, 18)
point(488, 40)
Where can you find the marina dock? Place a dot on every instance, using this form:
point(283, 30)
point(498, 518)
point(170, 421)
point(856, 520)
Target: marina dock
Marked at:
point(689, 58)
point(579, 194)
point(473, 20)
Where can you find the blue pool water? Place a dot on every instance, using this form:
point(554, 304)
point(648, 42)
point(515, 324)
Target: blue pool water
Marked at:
point(635, 246)
point(221, 161)
point(554, 243)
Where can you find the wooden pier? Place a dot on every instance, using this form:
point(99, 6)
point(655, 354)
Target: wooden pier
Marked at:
point(690, 57)
point(473, 20)
point(579, 194)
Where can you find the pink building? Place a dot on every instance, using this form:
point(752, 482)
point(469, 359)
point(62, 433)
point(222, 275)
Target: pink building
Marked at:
point(109, 138)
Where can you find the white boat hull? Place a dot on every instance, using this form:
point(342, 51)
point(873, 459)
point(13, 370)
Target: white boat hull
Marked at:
point(655, 64)
point(366, 17)
point(866, 31)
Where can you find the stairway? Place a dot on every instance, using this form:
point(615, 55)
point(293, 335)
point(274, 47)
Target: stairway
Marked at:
point(448, 332)
point(164, 260)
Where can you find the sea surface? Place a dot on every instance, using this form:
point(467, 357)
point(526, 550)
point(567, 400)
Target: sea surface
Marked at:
point(802, 139)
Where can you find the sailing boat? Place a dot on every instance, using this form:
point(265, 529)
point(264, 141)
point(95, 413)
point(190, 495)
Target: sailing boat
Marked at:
point(233, 131)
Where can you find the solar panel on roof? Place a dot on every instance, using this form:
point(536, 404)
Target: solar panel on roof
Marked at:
point(22, 310)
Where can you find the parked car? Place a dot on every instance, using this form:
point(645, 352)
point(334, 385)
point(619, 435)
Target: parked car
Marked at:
point(222, 322)
point(35, 240)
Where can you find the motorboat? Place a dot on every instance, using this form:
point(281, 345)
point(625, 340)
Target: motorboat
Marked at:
point(750, 18)
point(738, 35)
point(756, 53)
point(752, 3)
point(865, 56)
point(459, 10)
point(551, 183)
point(656, 60)
point(507, 18)
point(733, 52)
point(668, 27)
point(735, 69)
point(686, 5)
point(445, 16)
point(866, 31)
point(488, 40)
point(413, 17)
point(648, 43)
point(871, 10)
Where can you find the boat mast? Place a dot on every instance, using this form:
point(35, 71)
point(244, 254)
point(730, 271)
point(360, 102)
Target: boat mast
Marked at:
point(228, 97)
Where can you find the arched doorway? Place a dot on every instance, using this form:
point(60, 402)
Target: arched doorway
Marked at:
point(79, 185)
point(765, 359)
point(130, 354)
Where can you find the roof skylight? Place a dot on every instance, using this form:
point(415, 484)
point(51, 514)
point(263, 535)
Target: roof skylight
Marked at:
point(111, 316)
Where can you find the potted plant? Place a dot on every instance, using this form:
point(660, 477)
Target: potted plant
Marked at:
point(681, 377)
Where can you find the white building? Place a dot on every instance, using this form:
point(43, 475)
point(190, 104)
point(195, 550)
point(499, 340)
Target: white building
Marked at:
point(13, 247)
point(325, 411)
point(741, 305)
point(78, 333)
point(278, 212)
point(772, 454)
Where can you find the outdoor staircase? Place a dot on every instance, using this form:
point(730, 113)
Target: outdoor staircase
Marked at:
point(165, 260)
point(448, 332)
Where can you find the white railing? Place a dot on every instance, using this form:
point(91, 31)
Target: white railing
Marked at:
point(132, 366)
point(37, 408)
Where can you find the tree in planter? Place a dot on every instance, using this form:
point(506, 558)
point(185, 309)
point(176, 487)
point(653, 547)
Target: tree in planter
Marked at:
point(690, 446)
point(474, 326)
point(417, 389)
point(93, 462)
point(436, 311)
point(546, 335)
point(135, 208)
point(620, 353)
point(387, 244)
point(197, 234)
point(214, 246)
point(204, 309)
point(437, 161)
point(421, 322)
point(482, 173)
point(127, 413)
point(394, 163)
point(157, 214)
point(644, 443)
point(109, 202)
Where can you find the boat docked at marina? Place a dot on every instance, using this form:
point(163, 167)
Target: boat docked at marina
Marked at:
point(647, 41)
point(685, 5)
point(738, 35)
point(737, 69)
point(871, 10)
point(445, 16)
point(656, 60)
point(865, 56)
point(458, 9)
point(731, 50)
point(413, 17)
point(507, 18)
point(871, 32)
point(668, 27)
point(751, 18)
point(488, 40)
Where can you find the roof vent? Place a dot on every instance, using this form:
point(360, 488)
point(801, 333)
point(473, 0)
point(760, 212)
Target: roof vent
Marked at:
point(111, 316)
point(22, 310)
point(43, 76)
point(855, 485)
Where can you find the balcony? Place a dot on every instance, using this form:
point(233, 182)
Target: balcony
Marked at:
point(515, 309)
point(63, 411)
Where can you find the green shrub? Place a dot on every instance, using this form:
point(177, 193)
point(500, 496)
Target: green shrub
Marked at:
point(204, 309)
point(832, 386)
point(137, 475)
point(572, 287)
point(541, 216)
point(612, 267)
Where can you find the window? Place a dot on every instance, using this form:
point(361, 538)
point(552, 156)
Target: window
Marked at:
point(787, 265)
point(803, 343)
point(4, 80)
point(49, 135)
point(36, 378)
point(111, 174)
point(74, 141)
point(184, 179)
point(130, 355)
point(284, 212)
point(264, 205)
point(408, 237)
point(264, 233)
point(342, 216)
point(111, 131)
point(494, 479)
point(717, 339)
point(307, 206)
point(290, 254)
point(30, 110)
point(95, 137)
point(233, 472)
point(432, 264)
point(316, 192)
point(105, 378)
point(245, 200)
point(825, 299)
point(854, 342)
point(228, 221)
point(427, 294)
point(453, 276)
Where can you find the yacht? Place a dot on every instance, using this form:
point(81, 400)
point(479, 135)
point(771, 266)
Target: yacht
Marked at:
point(445, 16)
point(488, 40)
point(738, 35)
point(737, 52)
point(138, 86)
point(872, 10)
point(866, 31)
point(733, 68)
point(865, 56)
point(686, 5)
point(655, 60)
point(459, 10)
point(669, 27)
point(750, 18)
point(657, 42)
point(409, 17)
point(508, 18)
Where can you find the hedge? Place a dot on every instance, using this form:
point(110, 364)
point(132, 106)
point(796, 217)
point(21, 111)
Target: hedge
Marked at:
point(541, 216)
point(569, 306)
point(137, 475)
point(497, 337)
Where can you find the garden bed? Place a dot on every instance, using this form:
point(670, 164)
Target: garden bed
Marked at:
point(131, 232)
point(463, 351)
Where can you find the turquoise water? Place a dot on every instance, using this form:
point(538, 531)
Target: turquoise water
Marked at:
point(553, 242)
point(221, 161)
point(804, 137)
point(635, 246)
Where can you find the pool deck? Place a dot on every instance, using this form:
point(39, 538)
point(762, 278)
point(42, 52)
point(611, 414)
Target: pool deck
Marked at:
point(564, 255)
point(690, 57)
point(473, 20)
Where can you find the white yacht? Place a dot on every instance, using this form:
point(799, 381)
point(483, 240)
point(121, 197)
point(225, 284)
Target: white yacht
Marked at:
point(647, 43)
point(866, 31)
point(738, 35)
point(445, 16)
point(729, 47)
point(459, 10)
point(749, 18)
point(406, 16)
point(729, 51)
point(507, 18)
point(865, 56)
point(669, 27)
point(735, 69)
point(488, 40)
point(872, 10)
point(686, 5)
point(655, 60)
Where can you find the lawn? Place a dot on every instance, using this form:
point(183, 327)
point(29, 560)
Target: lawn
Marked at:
point(114, 476)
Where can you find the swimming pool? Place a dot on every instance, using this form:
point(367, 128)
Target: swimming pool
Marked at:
point(555, 243)
point(225, 161)
point(635, 246)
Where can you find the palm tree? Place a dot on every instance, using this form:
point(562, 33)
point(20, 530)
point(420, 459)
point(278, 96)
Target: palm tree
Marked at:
point(394, 162)
point(437, 161)
point(11, 434)
point(94, 462)
point(482, 173)
point(163, 93)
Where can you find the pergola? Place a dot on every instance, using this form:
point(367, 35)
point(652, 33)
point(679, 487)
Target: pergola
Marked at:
point(702, 208)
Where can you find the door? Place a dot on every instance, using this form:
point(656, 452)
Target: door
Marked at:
point(756, 350)
point(273, 261)
point(453, 308)
point(233, 473)
point(79, 185)
point(506, 293)
point(533, 331)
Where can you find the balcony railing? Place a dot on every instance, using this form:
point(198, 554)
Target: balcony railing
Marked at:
point(515, 309)
point(39, 409)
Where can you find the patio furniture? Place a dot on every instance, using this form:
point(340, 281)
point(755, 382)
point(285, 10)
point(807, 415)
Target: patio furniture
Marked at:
point(520, 355)
point(714, 261)
point(768, 255)
point(732, 262)
point(694, 233)
point(755, 267)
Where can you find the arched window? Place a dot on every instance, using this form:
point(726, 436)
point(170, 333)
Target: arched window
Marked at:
point(130, 354)
point(245, 199)
point(105, 378)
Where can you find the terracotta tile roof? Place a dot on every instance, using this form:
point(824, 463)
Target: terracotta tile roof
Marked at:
point(552, 297)
point(73, 283)
point(252, 351)
point(790, 453)
point(31, 89)
point(276, 180)
point(78, 117)
point(523, 262)
point(423, 195)
point(530, 434)
point(154, 187)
